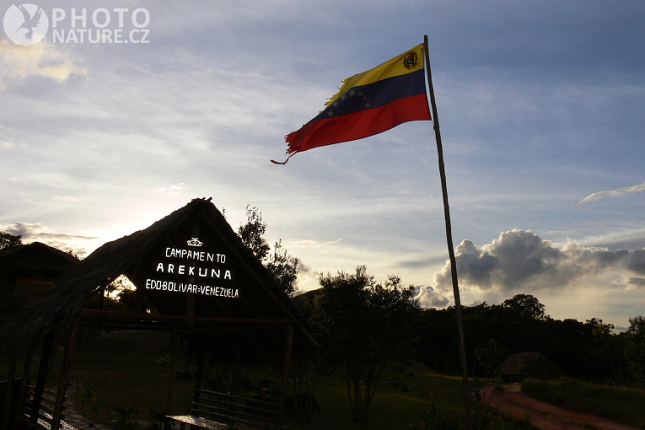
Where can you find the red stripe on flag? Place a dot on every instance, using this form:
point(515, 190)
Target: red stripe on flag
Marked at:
point(358, 125)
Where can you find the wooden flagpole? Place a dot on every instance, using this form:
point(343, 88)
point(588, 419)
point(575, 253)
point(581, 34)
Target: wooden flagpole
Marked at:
point(451, 250)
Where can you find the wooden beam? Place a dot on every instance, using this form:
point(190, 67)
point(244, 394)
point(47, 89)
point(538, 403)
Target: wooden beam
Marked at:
point(43, 370)
point(285, 374)
point(173, 364)
point(11, 376)
point(94, 313)
point(64, 374)
point(23, 386)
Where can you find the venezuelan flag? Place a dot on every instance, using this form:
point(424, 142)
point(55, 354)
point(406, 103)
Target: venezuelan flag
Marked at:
point(369, 103)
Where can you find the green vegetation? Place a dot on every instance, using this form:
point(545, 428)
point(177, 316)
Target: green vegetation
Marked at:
point(621, 404)
point(118, 378)
point(366, 327)
point(121, 379)
point(282, 266)
point(582, 350)
point(9, 242)
point(370, 332)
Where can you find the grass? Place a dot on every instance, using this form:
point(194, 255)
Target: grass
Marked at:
point(114, 371)
point(121, 376)
point(620, 404)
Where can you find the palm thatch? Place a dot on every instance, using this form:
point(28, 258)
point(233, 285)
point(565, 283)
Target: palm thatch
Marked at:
point(527, 365)
point(260, 305)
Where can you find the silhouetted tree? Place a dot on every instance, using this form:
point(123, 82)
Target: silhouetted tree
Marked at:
point(9, 242)
point(527, 305)
point(366, 327)
point(635, 349)
point(282, 266)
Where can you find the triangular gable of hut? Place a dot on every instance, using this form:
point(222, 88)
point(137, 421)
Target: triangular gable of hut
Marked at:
point(527, 364)
point(516, 364)
point(236, 288)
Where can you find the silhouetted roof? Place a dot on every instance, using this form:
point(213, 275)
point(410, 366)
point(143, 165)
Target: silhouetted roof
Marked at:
point(518, 364)
point(145, 257)
point(36, 258)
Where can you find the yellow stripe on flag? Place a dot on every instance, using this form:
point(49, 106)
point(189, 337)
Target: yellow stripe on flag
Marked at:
point(389, 69)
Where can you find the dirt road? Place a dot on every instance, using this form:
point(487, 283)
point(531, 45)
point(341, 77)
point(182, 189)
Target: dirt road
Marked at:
point(544, 416)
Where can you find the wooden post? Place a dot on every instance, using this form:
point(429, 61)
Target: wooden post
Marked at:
point(173, 365)
point(43, 370)
point(64, 374)
point(11, 376)
point(102, 298)
point(451, 251)
point(23, 386)
point(285, 374)
point(199, 375)
point(190, 305)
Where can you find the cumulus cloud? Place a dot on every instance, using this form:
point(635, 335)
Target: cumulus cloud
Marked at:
point(614, 193)
point(428, 297)
point(307, 277)
point(43, 59)
point(520, 260)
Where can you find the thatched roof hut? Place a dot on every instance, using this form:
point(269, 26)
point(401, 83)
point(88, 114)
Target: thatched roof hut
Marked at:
point(527, 365)
point(35, 263)
point(193, 277)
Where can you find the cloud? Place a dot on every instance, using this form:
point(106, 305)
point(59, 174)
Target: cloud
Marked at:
point(428, 297)
point(40, 233)
point(614, 193)
point(635, 283)
point(308, 243)
point(521, 260)
point(307, 277)
point(174, 190)
point(43, 59)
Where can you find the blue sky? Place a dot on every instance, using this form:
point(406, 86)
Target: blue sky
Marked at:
point(541, 107)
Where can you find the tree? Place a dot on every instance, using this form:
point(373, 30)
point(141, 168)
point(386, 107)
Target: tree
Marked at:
point(608, 348)
point(9, 242)
point(282, 266)
point(527, 305)
point(366, 326)
point(635, 349)
point(252, 233)
point(491, 356)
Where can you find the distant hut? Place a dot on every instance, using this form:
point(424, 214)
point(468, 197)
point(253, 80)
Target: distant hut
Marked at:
point(527, 365)
point(35, 264)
